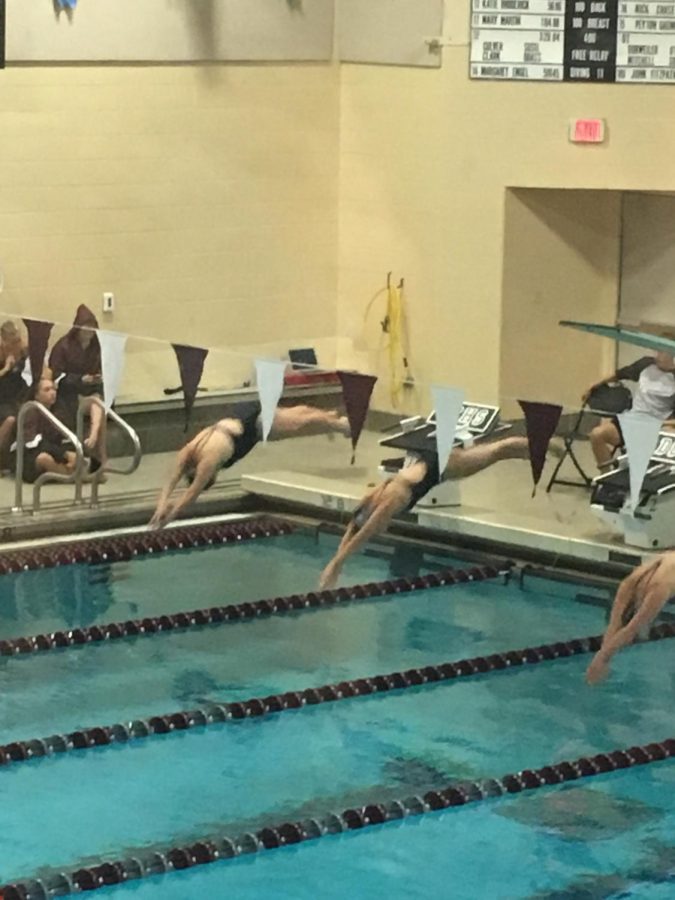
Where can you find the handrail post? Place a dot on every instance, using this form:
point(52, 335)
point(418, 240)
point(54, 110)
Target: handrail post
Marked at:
point(18, 477)
point(129, 431)
point(76, 440)
point(46, 476)
point(77, 474)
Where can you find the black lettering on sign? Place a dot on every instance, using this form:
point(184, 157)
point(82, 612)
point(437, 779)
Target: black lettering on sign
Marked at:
point(665, 449)
point(475, 417)
point(590, 40)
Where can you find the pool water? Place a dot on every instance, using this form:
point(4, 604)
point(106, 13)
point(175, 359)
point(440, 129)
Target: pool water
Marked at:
point(607, 835)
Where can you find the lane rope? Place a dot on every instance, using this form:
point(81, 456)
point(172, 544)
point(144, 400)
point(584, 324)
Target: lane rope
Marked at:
point(146, 862)
point(219, 713)
point(120, 548)
point(254, 609)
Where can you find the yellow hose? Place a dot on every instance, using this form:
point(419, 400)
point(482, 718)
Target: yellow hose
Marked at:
point(393, 325)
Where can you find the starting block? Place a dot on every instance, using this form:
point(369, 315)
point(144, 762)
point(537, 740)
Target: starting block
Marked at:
point(649, 524)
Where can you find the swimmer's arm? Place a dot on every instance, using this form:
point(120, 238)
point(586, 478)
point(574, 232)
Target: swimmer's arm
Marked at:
point(346, 537)
point(377, 522)
point(203, 474)
point(355, 539)
point(656, 597)
point(162, 508)
point(625, 595)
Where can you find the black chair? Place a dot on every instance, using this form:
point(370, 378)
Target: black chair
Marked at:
point(606, 400)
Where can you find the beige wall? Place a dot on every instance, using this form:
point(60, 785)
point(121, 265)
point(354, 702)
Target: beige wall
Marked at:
point(262, 206)
point(204, 198)
point(426, 160)
point(648, 259)
point(561, 261)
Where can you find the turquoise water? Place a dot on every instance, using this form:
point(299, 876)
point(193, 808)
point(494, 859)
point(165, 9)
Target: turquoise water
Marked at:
point(606, 836)
point(528, 847)
point(65, 597)
point(98, 684)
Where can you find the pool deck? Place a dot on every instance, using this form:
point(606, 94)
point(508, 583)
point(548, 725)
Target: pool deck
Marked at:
point(314, 474)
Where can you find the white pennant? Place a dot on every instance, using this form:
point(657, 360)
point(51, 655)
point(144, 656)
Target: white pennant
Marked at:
point(112, 363)
point(270, 379)
point(640, 434)
point(448, 405)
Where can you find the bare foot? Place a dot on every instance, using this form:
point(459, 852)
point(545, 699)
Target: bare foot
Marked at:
point(344, 426)
point(339, 424)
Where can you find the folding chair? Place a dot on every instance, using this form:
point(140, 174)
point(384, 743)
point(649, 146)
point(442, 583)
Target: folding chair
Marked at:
point(605, 401)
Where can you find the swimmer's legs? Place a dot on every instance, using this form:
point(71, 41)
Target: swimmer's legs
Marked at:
point(465, 462)
point(297, 420)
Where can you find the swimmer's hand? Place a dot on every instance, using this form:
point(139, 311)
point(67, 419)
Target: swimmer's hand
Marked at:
point(163, 515)
point(598, 669)
point(329, 576)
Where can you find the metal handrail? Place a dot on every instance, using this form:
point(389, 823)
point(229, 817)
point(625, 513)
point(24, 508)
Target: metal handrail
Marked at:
point(129, 431)
point(75, 477)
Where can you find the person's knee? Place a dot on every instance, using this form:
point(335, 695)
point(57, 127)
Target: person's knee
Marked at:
point(596, 434)
point(43, 462)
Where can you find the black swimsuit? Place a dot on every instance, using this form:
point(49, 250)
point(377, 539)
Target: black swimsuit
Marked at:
point(248, 414)
point(430, 480)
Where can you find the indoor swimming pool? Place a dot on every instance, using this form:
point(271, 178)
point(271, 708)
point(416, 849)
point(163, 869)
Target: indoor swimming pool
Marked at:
point(176, 717)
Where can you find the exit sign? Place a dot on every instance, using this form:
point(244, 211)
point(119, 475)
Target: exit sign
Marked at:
point(587, 131)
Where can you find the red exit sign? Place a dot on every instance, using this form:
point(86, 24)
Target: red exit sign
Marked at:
point(587, 131)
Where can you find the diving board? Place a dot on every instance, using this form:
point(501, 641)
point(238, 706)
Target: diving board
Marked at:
point(624, 335)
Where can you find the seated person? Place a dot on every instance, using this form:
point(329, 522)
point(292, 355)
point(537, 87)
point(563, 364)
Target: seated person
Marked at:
point(13, 388)
point(655, 395)
point(407, 487)
point(75, 363)
point(44, 449)
point(640, 598)
point(222, 445)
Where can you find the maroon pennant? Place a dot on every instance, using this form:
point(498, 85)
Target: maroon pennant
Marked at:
point(541, 421)
point(38, 339)
point(191, 367)
point(356, 390)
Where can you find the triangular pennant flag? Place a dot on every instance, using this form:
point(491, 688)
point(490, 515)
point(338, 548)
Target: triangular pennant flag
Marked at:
point(541, 421)
point(448, 407)
point(356, 390)
point(270, 380)
point(191, 366)
point(38, 339)
point(640, 434)
point(112, 363)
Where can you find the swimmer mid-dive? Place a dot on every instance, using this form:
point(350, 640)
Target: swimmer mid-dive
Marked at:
point(407, 487)
point(222, 445)
point(641, 596)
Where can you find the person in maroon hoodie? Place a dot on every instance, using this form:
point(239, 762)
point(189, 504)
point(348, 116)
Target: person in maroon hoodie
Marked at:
point(75, 362)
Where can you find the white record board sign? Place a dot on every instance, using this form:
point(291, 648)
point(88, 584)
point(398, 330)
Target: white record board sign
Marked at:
point(170, 30)
point(592, 41)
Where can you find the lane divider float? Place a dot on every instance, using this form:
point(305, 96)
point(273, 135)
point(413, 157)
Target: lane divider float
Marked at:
point(219, 713)
point(146, 862)
point(120, 548)
point(223, 615)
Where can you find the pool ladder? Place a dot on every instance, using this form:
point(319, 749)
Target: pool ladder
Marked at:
point(81, 470)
